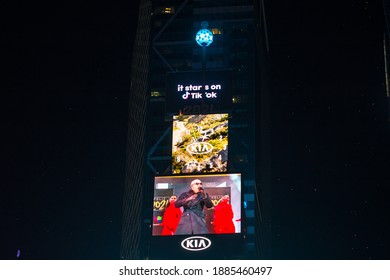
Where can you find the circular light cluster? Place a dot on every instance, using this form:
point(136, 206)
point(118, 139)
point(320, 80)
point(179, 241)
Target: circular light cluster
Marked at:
point(204, 37)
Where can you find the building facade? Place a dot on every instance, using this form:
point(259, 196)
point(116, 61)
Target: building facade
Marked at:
point(165, 47)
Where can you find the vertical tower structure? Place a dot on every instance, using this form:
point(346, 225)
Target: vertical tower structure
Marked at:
point(165, 47)
point(386, 49)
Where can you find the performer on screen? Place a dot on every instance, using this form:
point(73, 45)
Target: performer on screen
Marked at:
point(223, 216)
point(193, 220)
point(171, 217)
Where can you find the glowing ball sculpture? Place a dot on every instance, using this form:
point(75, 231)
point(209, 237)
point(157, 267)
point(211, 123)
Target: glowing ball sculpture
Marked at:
point(204, 37)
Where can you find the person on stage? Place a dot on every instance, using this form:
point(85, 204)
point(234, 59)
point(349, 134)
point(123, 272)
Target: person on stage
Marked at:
point(193, 220)
point(171, 217)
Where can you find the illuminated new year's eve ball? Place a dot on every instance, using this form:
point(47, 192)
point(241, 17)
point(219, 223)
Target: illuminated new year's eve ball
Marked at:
point(204, 37)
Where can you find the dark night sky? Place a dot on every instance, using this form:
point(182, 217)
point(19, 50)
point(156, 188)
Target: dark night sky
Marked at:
point(65, 128)
point(330, 131)
point(65, 99)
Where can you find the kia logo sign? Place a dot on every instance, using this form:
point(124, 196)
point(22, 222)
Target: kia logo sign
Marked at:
point(196, 243)
point(199, 148)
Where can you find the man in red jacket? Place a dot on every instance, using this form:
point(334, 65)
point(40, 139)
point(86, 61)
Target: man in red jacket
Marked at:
point(223, 216)
point(171, 217)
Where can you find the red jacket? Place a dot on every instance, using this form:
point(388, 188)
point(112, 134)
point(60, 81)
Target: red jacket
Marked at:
point(171, 219)
point(223, 218)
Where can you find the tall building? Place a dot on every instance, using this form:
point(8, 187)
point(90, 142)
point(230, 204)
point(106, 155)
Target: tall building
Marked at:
point(167, 61)
point(386, 50)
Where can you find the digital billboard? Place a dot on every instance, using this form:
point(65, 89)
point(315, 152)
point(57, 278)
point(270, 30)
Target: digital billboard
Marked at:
point(199, 92)
point(197, 204)
point(200, 143)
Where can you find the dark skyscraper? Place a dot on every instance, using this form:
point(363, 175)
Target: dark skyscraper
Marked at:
point(386, 49)
point(237, 59)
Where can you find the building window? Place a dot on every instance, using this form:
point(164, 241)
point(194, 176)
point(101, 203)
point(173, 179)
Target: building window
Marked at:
point(250, 214)
point(251, 230)
point(216, 31)
point(164, 10)
point(156, 93)
point(239, 99)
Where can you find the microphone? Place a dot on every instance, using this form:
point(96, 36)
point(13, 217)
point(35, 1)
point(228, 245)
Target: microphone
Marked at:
point(201, 190)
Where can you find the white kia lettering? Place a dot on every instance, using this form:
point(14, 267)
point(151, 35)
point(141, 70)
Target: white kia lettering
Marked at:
point(196, 243)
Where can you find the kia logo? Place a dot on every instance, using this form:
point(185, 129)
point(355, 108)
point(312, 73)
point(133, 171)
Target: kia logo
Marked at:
point(196, 243)
point(199, 148)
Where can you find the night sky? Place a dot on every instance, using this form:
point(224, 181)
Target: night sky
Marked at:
point(330, 150)
point(65, 129)
point(65, 96)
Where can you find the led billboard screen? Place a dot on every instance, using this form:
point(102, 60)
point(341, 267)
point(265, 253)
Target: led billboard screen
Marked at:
point(203, 204)
point(200, 143)
point(198, 92)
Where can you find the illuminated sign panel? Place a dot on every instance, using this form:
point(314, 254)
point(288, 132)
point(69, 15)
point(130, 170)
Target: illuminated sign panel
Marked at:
point(200, 143)
point(214, 210)
point(199, 92)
